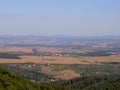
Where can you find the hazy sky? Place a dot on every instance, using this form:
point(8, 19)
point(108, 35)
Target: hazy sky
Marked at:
point(60, 17)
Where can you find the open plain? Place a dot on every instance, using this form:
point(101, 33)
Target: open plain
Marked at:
point(59, 59)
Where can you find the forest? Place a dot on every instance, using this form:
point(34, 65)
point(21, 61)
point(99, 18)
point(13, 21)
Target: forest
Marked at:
point(9, 81)
point(26, 79)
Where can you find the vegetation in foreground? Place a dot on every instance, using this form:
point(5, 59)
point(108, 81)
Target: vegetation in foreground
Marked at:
point(33, 71)
point(9, 81)
point(99, 82)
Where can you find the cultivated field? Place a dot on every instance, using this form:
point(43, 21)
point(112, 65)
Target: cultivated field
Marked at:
point(62, 60)
point(51, 59)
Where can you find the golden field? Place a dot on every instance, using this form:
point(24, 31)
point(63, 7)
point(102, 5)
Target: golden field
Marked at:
point(62, 60)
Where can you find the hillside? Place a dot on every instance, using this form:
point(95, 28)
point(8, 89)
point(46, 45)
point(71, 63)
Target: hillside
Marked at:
point(95, 82)
point(8, 81)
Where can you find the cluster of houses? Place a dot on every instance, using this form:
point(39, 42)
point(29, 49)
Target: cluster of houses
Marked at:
point(60, 54)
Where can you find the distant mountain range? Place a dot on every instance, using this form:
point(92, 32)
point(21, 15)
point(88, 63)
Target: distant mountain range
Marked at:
point(6, 37)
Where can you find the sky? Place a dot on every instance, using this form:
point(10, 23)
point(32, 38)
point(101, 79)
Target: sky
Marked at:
point(60, 17)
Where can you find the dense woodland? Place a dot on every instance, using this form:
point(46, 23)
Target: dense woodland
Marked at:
point(99, 82)
point(9, 56)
